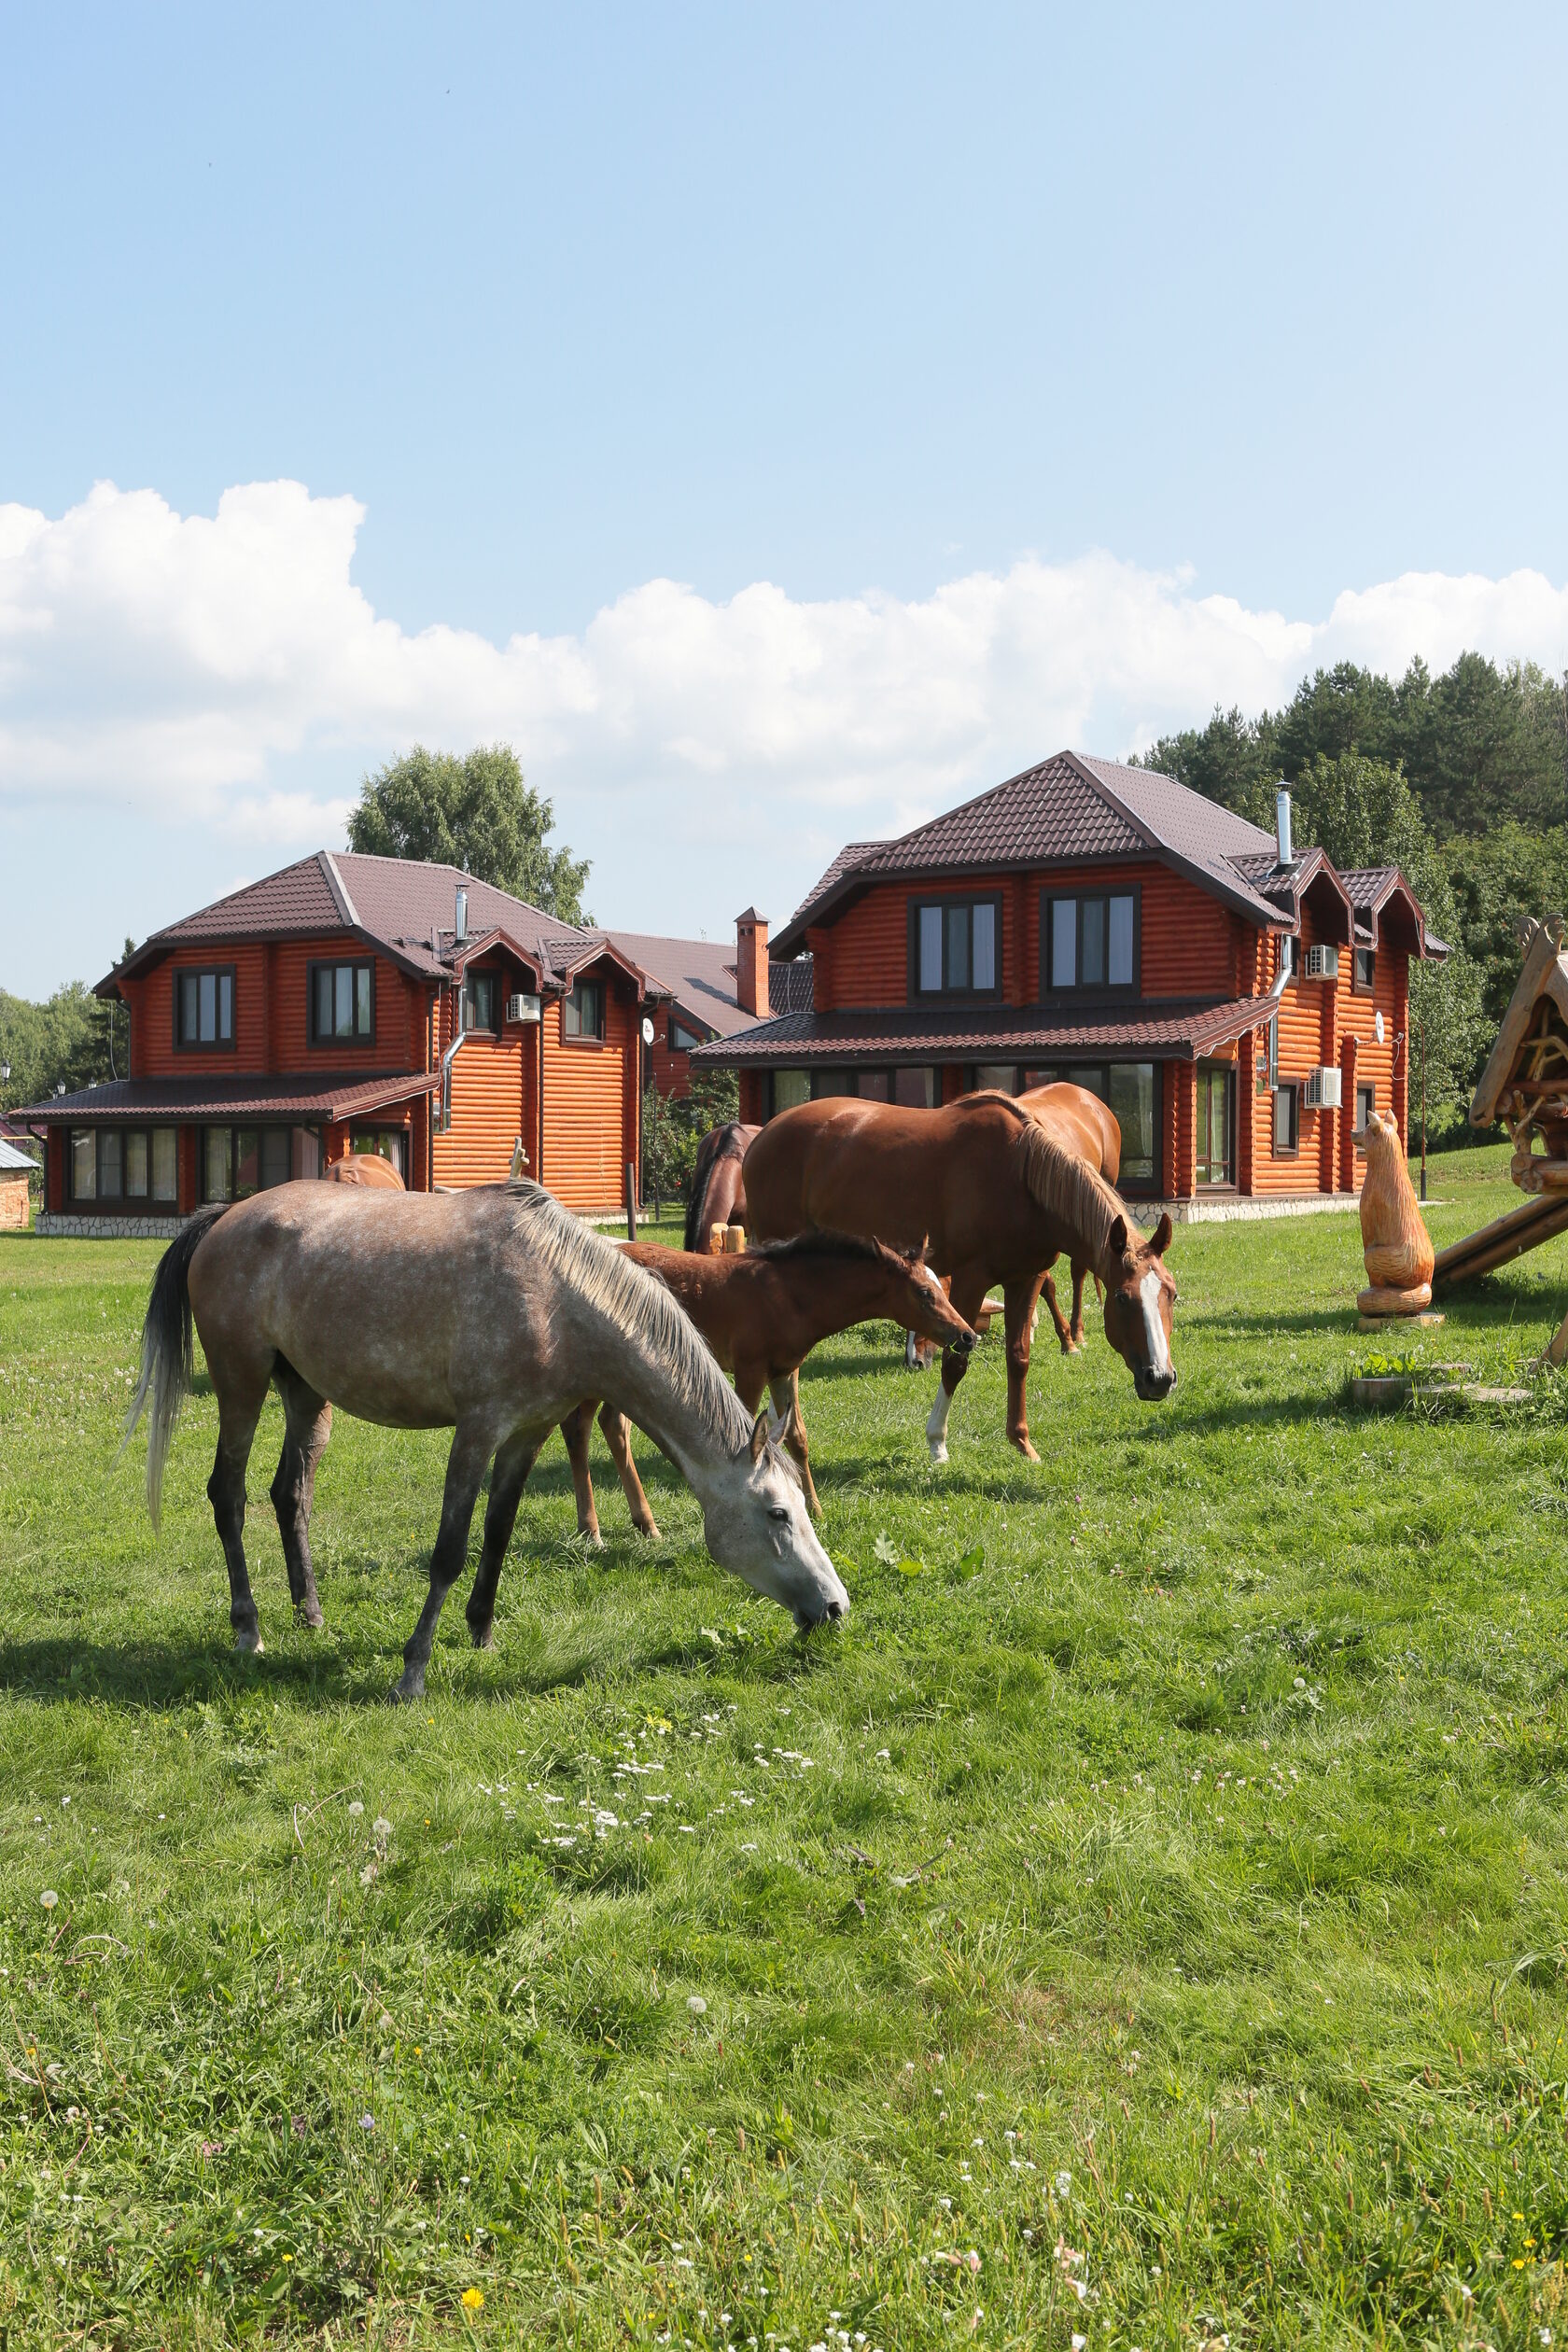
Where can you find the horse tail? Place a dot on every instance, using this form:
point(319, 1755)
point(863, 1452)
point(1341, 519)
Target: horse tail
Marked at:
point(718, 1143)
point(168, 1353)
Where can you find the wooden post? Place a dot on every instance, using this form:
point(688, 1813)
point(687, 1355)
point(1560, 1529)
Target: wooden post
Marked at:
point(631, 1201)
point(1423, 1109)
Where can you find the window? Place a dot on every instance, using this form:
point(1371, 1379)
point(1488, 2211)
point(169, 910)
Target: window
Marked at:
point(681, 1038)
point(1216, 1124)
point(388, 1144)
point(205, 1009)
point(788, 1088)
point(124, 1164)
point(916, 1089)
point(1364, 971)
point(341, 1005)
point(833, 1082)
point(582, 1012)
point(235, 1162)
point(955, 946)
point(1088, 942)
point(1365, 1103)
point(1287, 1121)
point(1131, 1089)
point(482, 1003)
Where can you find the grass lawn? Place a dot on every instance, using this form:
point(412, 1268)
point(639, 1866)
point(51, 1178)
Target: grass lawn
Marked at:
point(1142, 1922)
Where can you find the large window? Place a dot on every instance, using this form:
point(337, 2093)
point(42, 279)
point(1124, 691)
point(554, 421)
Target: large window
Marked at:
point(582, 1013)
point(1216, 1123)
point(123, 1167)
point(1088, 941)
point(1131, 1091)
point(482, 1003)
point(341, 1005)
point(956, 947)
point(235, 1162)
point(916, 1089)
point(205, 1009)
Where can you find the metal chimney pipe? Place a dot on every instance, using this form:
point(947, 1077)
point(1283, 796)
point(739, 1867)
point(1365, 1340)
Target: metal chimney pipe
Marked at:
point(460, 923)
point(1283, 823)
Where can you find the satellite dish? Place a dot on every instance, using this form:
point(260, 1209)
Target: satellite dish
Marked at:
point(1378, 1026)
point(648, 1029)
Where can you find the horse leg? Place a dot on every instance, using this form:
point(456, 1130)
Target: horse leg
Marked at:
point(240, 1394)
point(307, 1420)
point(967, 1292)
point(1063, 1334)
point(1018, 1297)
point(507, 1478)
point(617, 1438)
point(574, 1429)
point(1079, 1272)
point(465, 1468)
point(785, 1392)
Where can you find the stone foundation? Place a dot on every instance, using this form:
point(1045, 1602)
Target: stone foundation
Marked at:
point(51, 1226)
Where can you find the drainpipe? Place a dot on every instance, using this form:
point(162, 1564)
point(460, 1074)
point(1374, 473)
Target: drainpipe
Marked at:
point(450, 1057)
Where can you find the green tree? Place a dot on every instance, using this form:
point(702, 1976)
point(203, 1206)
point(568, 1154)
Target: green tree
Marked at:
point(1497, 878)
point(476, 811)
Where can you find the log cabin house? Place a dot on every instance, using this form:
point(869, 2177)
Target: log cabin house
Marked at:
point(1239, 1004)
point(351, 1003)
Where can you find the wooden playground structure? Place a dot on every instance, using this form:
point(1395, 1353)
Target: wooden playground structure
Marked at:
point(1525, 1083)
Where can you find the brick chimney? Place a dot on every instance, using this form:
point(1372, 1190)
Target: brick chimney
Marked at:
point(751, 963)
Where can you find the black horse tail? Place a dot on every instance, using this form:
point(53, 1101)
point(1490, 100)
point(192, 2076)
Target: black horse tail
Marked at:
point(718, 1143)
point(168, 1353)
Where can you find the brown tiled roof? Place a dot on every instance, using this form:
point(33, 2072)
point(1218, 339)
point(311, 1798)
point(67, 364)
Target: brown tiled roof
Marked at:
point(1168, 1031)
point(1070, 807)
point(403, 900)
point(309, 1097)
point(698, 975)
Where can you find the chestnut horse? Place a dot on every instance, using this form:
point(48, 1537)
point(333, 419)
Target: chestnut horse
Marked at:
point(367, 1168)
point(493, 1312)
point(718, 1194)
point(761, 1313)
point(1000, 1199)
point(1080, 1122)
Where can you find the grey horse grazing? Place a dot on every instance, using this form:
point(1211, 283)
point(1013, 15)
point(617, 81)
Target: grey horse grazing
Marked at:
point(492, 1312)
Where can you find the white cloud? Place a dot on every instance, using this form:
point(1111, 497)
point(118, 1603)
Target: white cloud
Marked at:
point(221, 667)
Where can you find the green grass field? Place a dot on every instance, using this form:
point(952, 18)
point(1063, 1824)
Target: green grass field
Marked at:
point(1144, 1921)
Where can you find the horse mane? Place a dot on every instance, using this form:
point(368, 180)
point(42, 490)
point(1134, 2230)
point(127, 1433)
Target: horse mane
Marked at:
point(718, 1143)
point(641, 1308)
point(1067, 1187)
point(832, 1245)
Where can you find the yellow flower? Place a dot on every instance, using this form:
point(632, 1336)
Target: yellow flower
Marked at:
point(472, 2299)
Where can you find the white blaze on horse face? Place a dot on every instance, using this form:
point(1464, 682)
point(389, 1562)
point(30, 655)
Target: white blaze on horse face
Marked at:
point(1153, 1328)
point(936, 1427)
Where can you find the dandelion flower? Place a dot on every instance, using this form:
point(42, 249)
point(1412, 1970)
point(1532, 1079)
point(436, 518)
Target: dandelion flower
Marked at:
point(49, 1898)
point(355, 1809)
point(381, 1826)
point(472, 2299)
point(697, 2006)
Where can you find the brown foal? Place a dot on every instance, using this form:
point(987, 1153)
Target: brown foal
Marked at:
point(761, 1314)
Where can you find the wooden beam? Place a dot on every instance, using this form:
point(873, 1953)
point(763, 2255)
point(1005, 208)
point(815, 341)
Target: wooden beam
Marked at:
point(1507, 1238)
point(1541, 965)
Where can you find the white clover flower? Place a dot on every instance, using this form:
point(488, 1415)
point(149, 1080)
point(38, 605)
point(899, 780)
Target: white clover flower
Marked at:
point(1064, 2184)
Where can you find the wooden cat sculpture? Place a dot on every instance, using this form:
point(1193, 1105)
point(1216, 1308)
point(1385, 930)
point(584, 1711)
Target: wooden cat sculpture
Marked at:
point(1394, 1241)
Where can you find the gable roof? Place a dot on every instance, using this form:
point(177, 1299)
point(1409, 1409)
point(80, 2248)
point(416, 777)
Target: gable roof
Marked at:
point(1068, 808)
point(698, 976)
point(1534, 1026)
point(404, 907)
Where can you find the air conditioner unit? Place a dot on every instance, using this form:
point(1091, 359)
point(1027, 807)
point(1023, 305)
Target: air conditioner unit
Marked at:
point(1322, 1091)
point(522, 1008)
point(1323, 963)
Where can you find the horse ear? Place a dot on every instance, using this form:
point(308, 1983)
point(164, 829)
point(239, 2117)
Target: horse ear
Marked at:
point(1161, 1241)
point(1117, 1243)
point(759, 1437)
point(924, 1258)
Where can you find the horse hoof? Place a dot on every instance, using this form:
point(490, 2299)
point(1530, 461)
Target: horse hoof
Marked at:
point(249, 1644)
point(483, 1636)
point(650, 1532)
point(311, 1619)
point(403, 1692)
point(938, 1449)
point(1026, 1449)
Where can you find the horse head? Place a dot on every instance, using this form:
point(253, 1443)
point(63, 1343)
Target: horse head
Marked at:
point(923, 1306)
point(1138, 1297)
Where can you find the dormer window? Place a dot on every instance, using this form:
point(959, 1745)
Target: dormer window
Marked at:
point(582, 1012)
point(1088, 941)
point(956, 947)
point(205, 1009)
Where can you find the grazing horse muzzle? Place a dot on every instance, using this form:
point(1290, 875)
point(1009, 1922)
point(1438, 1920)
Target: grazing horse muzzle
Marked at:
point(965, 1344)
point(1153, 1387)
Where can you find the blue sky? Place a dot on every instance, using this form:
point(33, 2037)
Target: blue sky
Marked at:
point(1002, 347)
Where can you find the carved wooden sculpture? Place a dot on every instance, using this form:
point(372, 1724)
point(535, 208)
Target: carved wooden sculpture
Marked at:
point(1393, 1239)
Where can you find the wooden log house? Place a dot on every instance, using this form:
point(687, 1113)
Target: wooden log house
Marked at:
point(1240, 1005)
point(351, 1003)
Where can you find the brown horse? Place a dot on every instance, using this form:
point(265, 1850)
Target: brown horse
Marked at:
point(998, 1199)
point(1082, 1124)
point(718, 1194)
point(367, 1168)
point(761, 1313)
point(493, 1312)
